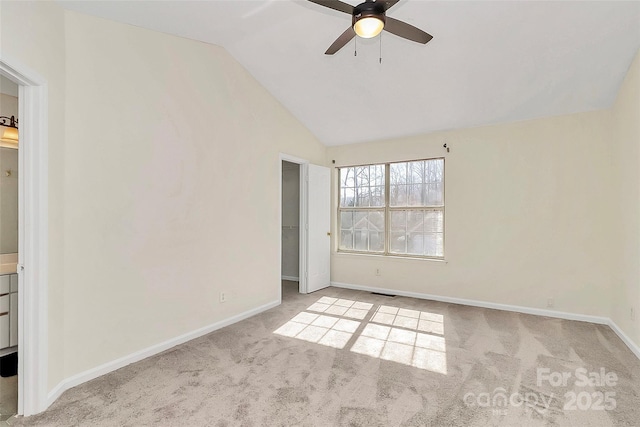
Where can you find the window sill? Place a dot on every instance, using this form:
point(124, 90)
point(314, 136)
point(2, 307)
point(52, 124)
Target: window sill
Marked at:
point(389, 257)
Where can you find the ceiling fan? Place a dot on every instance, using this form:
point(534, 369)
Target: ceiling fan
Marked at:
point(368, 20)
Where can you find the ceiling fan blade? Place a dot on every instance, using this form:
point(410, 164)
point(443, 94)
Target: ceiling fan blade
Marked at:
point(341, 41)
point(406, 31)
point(335, 4)
point(387, 3)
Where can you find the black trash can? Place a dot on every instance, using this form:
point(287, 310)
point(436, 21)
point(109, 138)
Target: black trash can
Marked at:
point(9, 365)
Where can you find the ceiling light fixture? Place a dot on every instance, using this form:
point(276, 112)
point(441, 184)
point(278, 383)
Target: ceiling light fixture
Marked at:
point(368, 19)
point(10, 134)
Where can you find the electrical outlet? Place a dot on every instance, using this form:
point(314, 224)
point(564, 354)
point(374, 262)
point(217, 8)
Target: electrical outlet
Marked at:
point(223, 296)
point(550, 303)
point(378, 272)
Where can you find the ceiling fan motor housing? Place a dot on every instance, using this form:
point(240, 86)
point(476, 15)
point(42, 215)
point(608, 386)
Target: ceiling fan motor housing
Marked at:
point(368, 9)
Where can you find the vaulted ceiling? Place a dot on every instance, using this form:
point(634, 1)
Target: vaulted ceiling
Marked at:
point(489, 62)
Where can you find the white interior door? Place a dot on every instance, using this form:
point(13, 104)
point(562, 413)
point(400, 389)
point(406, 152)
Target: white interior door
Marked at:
point(318, 227)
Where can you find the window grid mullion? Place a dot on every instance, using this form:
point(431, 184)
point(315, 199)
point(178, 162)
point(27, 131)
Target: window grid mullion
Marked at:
point(387, 220)
point(367, 208)
point(416, 208)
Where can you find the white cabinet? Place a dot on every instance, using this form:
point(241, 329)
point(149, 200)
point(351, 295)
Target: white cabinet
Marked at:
point(4, 320)
point(13, 319)
point(5, 283)
point(13, 280)
point(8, 310)
point(4, 330)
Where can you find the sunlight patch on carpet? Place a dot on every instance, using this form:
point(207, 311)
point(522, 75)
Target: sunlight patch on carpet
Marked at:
point(320, 329)
point(411, 337)
point(341, 307)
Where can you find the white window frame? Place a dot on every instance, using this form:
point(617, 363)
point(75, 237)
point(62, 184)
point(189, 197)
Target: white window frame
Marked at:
point(387, 212)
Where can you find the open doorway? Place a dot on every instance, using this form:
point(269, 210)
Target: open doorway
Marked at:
point(8, 248)
point(290, 219)
point(308, 186)
point(29, 283)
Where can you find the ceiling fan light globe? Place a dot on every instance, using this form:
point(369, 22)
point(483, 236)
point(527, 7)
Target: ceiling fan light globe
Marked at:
point(368, 27)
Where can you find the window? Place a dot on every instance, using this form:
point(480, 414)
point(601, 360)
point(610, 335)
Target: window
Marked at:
point(392, 209)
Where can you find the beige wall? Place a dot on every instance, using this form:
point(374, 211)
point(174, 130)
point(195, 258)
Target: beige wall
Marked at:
point(8, 200)
point(171, 188)
point(8, 183)
point(32, 33)
point(527, 215)
point(8, 106)
point(626, 211)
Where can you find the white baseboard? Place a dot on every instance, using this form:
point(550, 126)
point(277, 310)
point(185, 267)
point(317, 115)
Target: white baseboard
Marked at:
point(291, 278)
point(98, 371)
point(506, 307)
point(483, 304)
point(635, 349)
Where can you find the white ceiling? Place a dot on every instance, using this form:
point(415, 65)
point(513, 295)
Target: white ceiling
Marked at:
point(489, 62)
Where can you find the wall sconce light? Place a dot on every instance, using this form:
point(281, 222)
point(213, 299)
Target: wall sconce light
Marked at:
point(10, 134)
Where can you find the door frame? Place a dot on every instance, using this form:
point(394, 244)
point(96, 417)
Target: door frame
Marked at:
point(33, 233)
point(302, 222)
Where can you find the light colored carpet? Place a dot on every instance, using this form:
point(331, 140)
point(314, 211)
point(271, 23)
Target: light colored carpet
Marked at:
point(445, 368)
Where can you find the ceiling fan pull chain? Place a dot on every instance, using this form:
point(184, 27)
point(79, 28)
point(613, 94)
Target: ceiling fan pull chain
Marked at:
point(381, 48)
point(355, 46)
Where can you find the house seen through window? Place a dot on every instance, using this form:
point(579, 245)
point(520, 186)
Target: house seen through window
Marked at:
point(393, 209)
